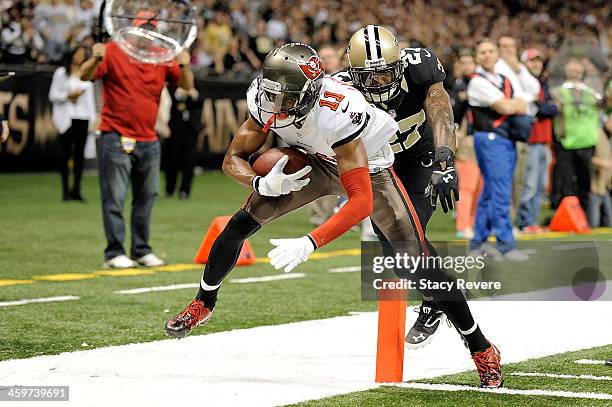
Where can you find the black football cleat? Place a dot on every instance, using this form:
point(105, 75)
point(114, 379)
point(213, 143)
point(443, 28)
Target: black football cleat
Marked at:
point(429, 320)
point(488, 364)
point(194, 315)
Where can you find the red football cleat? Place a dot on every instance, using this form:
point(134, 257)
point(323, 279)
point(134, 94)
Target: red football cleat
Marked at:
point(194, 315)
point(488, 364)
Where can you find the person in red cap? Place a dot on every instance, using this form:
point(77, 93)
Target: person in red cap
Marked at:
point(538, 157)
point(127, 144)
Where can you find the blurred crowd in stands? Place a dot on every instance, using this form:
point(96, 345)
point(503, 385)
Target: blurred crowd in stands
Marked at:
point(235, 35)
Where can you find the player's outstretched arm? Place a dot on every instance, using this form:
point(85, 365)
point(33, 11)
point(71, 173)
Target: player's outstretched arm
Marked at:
point(444, 183)
point(248, 139)
point(355, 177)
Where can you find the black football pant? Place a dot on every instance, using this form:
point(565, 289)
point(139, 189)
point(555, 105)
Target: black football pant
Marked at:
point(180, 157)
point(574, 170)
point(72, 144)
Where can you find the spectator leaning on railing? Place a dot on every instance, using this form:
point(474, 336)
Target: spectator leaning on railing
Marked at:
point(577, 129)
point(538, 157)
point(496, 116)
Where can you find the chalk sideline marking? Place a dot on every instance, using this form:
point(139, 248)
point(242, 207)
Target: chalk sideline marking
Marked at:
point(560, 376)
point(39, 300)
point(267, 278)
point(351, 269)
point(158, 288)
point(531, 392)
point(590, 362)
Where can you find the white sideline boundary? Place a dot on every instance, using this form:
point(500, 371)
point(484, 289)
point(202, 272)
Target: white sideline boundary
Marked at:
point(503, 390)
point(590, 362)
point(158, 288)
point(264, 279)
point(351, 269)
point(561, 376)
point(39, 300)
point(171, 287)
point(290, 363)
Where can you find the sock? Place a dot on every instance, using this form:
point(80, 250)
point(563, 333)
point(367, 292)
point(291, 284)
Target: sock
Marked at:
point(476, 340)
point(224, 254)
point(207, 294)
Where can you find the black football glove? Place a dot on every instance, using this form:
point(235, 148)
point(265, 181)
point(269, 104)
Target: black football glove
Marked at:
point(445, 182)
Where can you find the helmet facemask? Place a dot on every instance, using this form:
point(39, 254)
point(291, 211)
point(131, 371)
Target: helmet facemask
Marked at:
point(375, 64)
point(378, 84)
point(289, 85)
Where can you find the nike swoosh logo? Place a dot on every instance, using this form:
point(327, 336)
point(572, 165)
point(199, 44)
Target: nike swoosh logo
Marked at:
point(431, 323)
point(345, 109)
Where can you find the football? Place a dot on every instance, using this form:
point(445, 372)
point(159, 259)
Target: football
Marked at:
point(297, 160)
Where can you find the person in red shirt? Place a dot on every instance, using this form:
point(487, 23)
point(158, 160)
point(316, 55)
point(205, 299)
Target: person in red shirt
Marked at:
point(127, 145)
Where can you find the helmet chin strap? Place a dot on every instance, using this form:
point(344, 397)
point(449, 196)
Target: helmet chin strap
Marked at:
point(272, 119)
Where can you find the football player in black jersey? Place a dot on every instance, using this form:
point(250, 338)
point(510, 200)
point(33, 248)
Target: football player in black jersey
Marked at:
point(407, 83)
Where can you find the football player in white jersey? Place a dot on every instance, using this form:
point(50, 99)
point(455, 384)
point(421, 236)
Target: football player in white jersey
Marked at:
point(348, 144)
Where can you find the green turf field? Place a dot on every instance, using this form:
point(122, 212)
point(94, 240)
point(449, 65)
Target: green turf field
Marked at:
point(53, 248)
point(561, 364)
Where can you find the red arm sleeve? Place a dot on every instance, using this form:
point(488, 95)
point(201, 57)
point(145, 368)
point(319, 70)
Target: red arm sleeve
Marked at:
point(360, 203)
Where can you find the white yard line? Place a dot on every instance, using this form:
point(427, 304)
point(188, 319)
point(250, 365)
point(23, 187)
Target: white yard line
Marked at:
point(590, 362)
point(345, 269)
point(267, 278)
point(531, 392)
point(158, 288)
point(39, 300)
point(560, 376)
point(196, 285)
point(290, 363)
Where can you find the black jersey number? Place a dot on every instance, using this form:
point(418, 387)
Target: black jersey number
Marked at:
point(408, 132)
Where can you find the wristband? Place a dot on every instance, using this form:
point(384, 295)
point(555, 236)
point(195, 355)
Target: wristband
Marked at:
point(314, 244)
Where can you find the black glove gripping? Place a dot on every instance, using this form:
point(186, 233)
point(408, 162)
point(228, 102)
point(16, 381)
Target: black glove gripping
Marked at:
point(444, 183)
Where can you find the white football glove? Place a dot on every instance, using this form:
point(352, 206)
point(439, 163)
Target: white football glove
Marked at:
point(277, 183)
point(288, 253)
